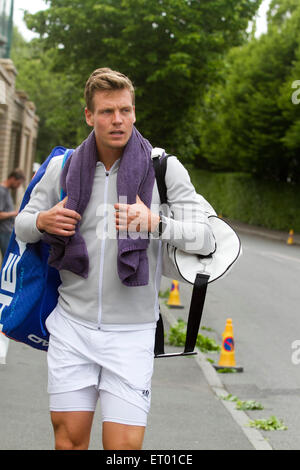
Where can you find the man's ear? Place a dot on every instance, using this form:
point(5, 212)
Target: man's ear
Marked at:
point(134, 114)
point(89, 117)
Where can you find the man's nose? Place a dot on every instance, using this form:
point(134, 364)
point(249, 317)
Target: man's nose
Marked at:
point(117, 117)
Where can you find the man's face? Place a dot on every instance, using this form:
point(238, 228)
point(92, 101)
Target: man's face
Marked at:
point(15, 183)
point(113, 117)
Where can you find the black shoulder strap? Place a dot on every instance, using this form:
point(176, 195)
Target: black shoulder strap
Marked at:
point(199, 289)
point(160, 168)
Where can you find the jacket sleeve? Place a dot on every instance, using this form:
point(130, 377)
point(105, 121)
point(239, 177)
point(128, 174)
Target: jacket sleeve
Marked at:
point(185, 221)
point(44, 196)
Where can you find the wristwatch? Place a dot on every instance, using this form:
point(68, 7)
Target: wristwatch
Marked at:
point(160, 226)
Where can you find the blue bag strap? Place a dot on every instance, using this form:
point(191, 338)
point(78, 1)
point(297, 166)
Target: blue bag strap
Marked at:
point(67, 154)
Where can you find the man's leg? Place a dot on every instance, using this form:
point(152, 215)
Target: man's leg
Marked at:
point(72, 417)
point(123, 423)
point(125, 388)
point(72, 429)
point(116, 436)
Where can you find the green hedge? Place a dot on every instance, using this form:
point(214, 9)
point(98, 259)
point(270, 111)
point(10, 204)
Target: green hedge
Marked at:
point(238, 196)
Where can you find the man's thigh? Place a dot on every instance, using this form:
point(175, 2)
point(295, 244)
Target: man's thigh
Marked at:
point(123, 423)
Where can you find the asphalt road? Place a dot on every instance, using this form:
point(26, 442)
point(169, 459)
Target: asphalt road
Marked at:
point(262, 296)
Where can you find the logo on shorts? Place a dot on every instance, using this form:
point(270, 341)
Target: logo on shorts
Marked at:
point(146, 393)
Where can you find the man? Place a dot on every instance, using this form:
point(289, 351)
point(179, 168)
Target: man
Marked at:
point(105, 238)
point(7, 209)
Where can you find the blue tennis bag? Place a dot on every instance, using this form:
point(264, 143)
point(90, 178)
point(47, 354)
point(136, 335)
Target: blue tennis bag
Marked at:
point(28, 285)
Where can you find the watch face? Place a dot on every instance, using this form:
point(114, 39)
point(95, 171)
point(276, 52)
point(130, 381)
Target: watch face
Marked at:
point(160, 227)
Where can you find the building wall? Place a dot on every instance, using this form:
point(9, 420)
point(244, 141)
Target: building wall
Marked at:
point(18, 127)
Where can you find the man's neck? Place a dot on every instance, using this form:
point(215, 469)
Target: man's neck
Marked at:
point(109, 156)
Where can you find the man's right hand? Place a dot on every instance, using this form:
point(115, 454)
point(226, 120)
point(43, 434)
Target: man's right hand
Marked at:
point(58, 220)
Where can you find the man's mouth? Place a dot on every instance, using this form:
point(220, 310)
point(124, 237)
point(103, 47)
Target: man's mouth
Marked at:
point(117, 133)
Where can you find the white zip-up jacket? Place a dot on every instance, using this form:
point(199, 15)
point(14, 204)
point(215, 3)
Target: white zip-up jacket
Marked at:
point(102, 301)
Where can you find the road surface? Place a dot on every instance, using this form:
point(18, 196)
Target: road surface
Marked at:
point(262, 296)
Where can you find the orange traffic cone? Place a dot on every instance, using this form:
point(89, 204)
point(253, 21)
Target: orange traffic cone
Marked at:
point(227, 356)
point(174, 297)
point(290, 239)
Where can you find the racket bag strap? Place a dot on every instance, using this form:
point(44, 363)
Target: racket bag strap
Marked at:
point(194, 319)
point(196, 310)
point(159, 348)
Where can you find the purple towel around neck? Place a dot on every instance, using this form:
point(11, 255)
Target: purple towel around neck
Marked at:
point(135, 177)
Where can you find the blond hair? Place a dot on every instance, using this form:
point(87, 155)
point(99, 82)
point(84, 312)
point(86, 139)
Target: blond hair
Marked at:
point(105, 79)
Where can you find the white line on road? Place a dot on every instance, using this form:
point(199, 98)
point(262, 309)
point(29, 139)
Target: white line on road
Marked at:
point(273, 255)
point(277, 255)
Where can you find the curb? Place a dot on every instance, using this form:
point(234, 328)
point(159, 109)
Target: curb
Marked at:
point(240, 417)
point(263, 232)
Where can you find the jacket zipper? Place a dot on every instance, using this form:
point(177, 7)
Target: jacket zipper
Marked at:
point(107, 173)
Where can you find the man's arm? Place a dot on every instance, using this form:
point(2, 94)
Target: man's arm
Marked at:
point(8, 215)
point(44, 211)
point(188, 228)
point(58, 220)
point(7, 210)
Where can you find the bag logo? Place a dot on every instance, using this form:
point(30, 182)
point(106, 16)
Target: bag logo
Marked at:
point(9, 280)
point(37, 340)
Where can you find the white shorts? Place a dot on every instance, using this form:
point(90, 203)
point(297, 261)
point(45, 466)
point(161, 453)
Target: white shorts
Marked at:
point(85, 364)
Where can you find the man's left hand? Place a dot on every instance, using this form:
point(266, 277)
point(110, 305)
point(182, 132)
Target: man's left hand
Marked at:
point(135, 217)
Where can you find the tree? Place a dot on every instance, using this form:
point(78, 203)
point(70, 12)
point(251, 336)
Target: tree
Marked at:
point(56, 101)
point(169, 48)
point(285, 14)
point(248, 121)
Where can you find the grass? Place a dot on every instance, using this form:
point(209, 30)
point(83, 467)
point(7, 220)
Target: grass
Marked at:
point(177, 337)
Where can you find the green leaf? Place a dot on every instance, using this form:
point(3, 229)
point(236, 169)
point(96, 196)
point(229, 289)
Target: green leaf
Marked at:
point(248, 405)
point(270, 424)
point(165, 294)
point(229, 397)
point(177, 337)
